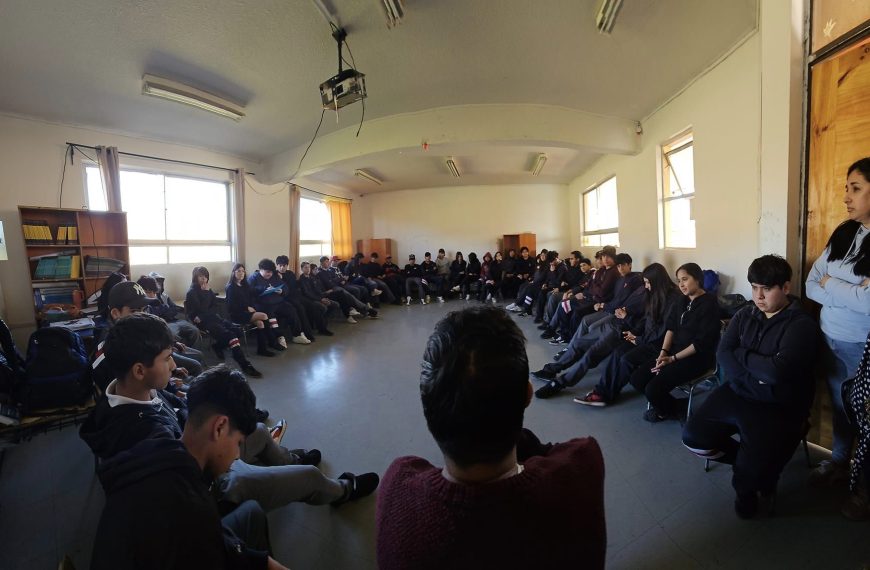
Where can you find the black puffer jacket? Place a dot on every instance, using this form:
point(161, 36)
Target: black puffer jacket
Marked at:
point(771, 360)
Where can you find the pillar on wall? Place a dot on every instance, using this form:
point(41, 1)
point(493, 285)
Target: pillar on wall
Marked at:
point(781, 29)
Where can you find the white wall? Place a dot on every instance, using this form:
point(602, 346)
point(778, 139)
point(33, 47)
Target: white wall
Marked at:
point(31, 162)
point(723, 110)
point(465, 218)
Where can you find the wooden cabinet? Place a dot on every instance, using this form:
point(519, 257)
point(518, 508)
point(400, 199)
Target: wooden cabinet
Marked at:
point(516, 241)
point(71, 252)
point(383, 247)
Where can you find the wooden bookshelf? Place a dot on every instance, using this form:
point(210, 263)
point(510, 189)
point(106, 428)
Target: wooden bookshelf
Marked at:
point(97, 234)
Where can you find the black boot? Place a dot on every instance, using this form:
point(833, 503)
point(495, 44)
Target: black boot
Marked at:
point(262, 341)
point(245, 364)
point(218, 350)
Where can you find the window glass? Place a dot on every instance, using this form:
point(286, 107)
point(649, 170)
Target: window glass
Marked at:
point(678, 192)
point(196, 210)
point(94, 185)
point(601, 215)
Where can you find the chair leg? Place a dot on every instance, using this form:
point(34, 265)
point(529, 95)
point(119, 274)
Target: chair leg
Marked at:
point(706, 465)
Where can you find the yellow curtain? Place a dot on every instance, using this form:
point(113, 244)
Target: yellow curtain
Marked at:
point(339, 211)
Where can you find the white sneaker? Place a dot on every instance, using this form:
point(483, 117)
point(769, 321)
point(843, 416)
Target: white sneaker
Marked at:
point(301, 339)
point(488, 297)
point(282, 341)
point(511, 307)
point(423, 302)
point(408, 302)
point(440, 299)
point(455, 289)
point(468, 297)
point(428, 299)
point(494, 300)
point(376, 292)
point(353, 312)
point(351, 320)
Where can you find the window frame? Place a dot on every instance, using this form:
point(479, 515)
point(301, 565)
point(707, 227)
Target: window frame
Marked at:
point(232, 237)
point(680, 142)
point(600, 231)
point(322, 243)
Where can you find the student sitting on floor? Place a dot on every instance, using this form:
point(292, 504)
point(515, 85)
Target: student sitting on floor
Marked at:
point(200, 303)
point(240, 306)
point(161, 483)
point(767, 355)
point(135, 410)
point(688, 350)
point(503, 499)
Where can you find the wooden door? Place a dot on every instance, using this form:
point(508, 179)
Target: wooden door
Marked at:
point(839, 134)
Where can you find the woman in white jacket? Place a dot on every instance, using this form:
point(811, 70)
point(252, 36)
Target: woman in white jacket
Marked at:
point(840, 282)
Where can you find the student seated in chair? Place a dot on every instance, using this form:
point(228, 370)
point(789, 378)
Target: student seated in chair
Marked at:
point(159, 510)
point(767, 356)
point(503, 499)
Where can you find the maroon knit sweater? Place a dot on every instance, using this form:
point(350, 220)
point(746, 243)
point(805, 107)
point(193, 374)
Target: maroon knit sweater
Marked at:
point(549, 516)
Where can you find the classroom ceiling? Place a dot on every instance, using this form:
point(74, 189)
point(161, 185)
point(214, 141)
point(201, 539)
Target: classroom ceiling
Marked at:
point(82, 63)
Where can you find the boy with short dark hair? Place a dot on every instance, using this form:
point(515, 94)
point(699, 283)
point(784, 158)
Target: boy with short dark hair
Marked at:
point(503, 499)
point(767, 356)
point(162, 482)
point(269, 297)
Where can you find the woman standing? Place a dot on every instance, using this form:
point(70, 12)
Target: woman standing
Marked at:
point(840, 282)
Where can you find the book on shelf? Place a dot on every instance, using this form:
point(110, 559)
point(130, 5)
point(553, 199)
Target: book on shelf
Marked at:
point(64, 294)
point(96, 266)
point(65, 265)
point(61, 234)
point(72, 236)
point(36, 232)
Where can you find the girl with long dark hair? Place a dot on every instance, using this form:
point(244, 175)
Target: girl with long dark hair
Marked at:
point(240, 305)
point(840, 282)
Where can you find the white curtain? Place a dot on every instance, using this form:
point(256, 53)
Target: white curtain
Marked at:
point(110, 172)
point(238, 178)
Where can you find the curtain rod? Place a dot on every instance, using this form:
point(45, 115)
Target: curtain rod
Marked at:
point(172, 160)
point(323, 193)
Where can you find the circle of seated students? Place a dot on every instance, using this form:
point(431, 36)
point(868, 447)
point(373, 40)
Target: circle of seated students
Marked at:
point(160, 438)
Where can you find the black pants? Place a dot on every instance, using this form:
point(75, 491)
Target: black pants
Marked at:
point(288, 318)
point(657, 387)
point(248, 522)
point(768, 436)
point(623, 362)
point(570, 322)
point(509, 287)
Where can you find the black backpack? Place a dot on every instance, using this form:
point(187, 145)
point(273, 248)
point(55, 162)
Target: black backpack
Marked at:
point(57, 370)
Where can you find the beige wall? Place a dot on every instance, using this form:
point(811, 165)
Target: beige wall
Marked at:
point(31, 154)
point(723, 109)
point(466, 218)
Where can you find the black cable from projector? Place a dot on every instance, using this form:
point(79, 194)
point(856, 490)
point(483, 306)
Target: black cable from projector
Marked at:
point(317, 130)
point(341, 36)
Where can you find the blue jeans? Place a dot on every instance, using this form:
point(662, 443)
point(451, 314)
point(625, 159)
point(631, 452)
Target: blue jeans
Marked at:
point(841, 362)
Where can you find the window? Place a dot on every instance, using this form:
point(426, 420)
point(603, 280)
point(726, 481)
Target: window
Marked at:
point(678, 193)
point(601, 215)
point(170, 219)
point(315, 230)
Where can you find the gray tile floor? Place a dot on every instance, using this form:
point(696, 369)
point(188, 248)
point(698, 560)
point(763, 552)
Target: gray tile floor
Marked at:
point(355, 397)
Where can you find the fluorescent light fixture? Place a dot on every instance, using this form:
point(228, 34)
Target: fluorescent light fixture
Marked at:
point(368, 176)
point(181, 93)
point(451, 166)
point(538, 166)
point(395, 11)
point(606, 15)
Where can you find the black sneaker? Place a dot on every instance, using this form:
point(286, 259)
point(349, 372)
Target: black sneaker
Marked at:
point(558, 340)
point(653, 416)
point(559, 354)
point(549, 389)
point(372, 314)
point(543, 326)
point(249, 370)
point(548, 333)
point(262, 415)
point(544, 375)
point(538, 320)
point(276, 346)
point(265, 352)
point(358, 486)
point(326, 332)
point(307, 456)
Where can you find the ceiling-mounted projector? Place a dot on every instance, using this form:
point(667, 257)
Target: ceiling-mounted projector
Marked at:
point(346, 87)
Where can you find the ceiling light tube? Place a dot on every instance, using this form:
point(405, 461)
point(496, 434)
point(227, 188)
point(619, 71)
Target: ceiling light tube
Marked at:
point(538, 166)
point(451, 166)
point(368, 176)
point(180, 93)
